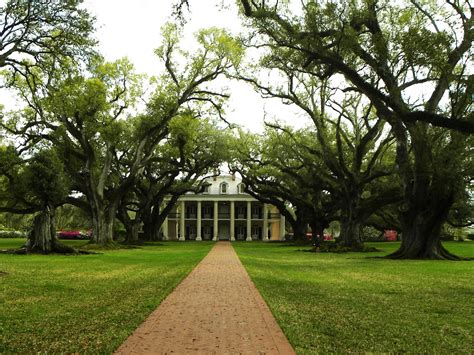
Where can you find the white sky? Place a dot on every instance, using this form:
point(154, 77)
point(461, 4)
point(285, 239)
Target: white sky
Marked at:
point(131, 28)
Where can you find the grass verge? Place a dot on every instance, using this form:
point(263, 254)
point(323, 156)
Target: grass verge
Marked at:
point(85, 303)
point(355, 303)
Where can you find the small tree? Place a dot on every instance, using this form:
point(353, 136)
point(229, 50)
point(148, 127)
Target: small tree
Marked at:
point(49, 186)
point(36, 184)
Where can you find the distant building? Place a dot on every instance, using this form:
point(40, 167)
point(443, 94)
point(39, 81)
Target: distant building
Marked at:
point(223, 212)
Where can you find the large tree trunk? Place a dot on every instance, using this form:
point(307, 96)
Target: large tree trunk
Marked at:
point(299, 230)
point(351, 225)
point(42, 238)
point(351, 234)
point(422, 222)
point(317, 231)
point(132, 226)
point(429, 190)
point(132, 231)
point(152, 223)
point(421, 235)
point(155, 216)
point(103, 227)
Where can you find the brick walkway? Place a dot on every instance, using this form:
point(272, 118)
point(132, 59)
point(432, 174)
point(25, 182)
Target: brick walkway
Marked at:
point(215, 310)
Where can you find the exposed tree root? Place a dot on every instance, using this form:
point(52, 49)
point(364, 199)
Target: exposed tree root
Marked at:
point(107, 246)
point(138, 242)
point(57, 248)
point(439, 253)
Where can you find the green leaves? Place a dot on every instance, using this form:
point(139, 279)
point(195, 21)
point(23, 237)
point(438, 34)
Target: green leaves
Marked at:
point(46, 177)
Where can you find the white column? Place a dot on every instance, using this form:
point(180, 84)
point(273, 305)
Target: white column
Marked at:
point(198, 227)
point(216, 220)
point(181, 221)
point(232, 221)
point(265, 222)
point(282, 227)
point(165, 229)
point(249, 221)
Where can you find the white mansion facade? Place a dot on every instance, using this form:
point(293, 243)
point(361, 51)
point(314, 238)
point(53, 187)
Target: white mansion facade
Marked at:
point(223, 212)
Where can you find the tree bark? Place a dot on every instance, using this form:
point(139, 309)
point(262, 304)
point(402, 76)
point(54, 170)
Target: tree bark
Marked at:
point(351, 223)
point(103, 227)
point(351, 234)
point(422, 224)
point(155, 215)
point(42, 238)
point(152, 224)
point(299, 230)
point(429, 192)
point(317, 231)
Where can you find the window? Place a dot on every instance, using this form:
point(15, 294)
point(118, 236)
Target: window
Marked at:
point(207, 211)
point(205, 188)
point(191, 211)
point(241, 188)
point(240, 212)
point(224, 188)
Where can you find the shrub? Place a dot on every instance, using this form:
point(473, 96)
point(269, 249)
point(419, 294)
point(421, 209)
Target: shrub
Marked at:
point(370, 234)
point(72, 235)
point(12, 234)
point(447, 237)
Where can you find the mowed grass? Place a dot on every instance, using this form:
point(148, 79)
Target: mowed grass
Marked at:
point(86, 303)
point(355, 303)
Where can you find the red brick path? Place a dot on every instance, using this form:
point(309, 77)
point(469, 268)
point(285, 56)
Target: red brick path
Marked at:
point(215, 310)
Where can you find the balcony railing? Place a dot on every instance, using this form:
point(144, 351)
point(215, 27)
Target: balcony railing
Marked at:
point(223, 216)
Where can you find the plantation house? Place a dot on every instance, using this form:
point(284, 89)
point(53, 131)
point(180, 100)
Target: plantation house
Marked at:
point(223, 211)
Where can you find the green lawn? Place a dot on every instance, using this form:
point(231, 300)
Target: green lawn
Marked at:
point(86, 303)
point(352, 303)
point(324, 302)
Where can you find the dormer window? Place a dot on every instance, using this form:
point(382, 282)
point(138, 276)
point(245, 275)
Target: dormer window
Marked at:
point(205, 189)
point(241, 188)
point(224, 188)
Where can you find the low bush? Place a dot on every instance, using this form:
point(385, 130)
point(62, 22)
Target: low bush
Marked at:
point(12, 234)
point(370, 234)
point(447, 237)
point(73, 235)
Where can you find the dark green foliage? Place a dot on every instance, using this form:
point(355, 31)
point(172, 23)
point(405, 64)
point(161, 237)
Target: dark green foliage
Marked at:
point(12, 234)
point(46, 178)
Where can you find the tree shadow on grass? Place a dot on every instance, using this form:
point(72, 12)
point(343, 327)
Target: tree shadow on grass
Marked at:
point(339, 249)
point(23, 251)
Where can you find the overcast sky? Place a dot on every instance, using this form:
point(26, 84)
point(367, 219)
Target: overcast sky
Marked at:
point(131, 28)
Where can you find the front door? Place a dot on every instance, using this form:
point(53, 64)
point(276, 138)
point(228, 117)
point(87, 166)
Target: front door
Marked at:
point(224, 231)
